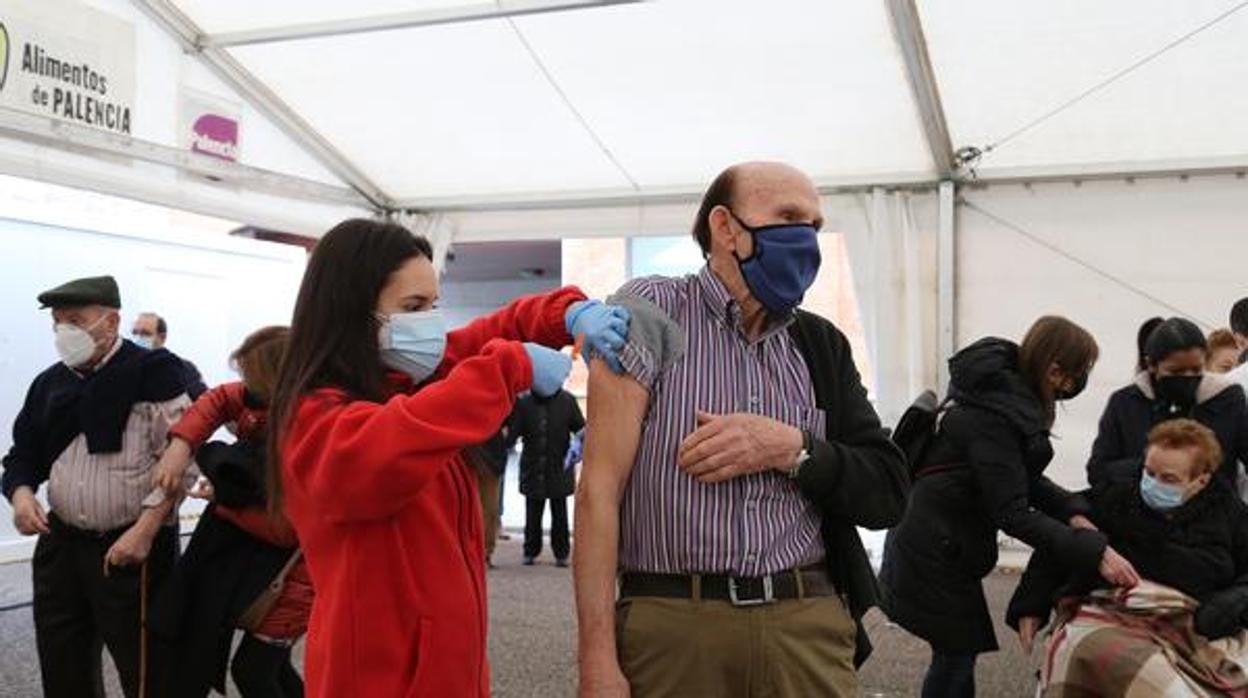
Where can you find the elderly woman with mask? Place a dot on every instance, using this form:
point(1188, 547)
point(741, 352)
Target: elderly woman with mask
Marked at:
point(1186, 533)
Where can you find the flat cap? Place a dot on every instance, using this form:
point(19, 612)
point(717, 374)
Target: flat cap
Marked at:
point(94, 290)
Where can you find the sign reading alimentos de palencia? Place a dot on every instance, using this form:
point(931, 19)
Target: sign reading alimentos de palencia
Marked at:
point(63, 59)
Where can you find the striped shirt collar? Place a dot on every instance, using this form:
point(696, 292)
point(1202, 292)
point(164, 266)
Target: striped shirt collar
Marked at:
point(727, 310)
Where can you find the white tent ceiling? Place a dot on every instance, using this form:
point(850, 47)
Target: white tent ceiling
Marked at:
point(454, 105)
point(643, 99)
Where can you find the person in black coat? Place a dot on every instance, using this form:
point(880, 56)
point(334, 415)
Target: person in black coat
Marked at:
point(547, 426)
point(1174, 385)
point(1176, 522)
point(984, 472)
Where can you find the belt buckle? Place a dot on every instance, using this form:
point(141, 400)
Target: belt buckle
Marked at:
point(768, 596)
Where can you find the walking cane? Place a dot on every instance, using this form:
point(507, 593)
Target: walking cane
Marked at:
point(143, 630)
point(142, 626)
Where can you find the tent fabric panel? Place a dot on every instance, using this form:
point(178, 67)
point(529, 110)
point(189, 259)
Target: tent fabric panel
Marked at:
point(680, 89)
point(436, 111)
point(1000, 66)
point(674, 91)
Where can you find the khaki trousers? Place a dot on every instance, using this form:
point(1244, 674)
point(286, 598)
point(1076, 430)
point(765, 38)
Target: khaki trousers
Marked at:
point(691, 648)
point(488, 484)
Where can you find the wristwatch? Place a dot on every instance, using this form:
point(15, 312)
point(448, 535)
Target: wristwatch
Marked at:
point(808, 448)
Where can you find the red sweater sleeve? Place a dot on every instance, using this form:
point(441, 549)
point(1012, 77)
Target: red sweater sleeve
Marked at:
point(362, 460)
point(537, 318)
point(213, 410)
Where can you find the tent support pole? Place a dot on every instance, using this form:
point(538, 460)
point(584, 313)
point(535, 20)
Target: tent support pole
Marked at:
point(430, 17)
point(70, 137)
point(946, 270)
point(908, 30)
point(189, 34)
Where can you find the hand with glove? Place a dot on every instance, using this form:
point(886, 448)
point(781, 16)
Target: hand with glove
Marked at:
point(602, 330)
point(575, 450)
point(550, 369)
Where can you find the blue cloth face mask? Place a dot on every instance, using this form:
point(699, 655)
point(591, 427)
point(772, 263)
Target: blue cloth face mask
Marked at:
point(784, 263)
point(413, 343)
point(1158, 495)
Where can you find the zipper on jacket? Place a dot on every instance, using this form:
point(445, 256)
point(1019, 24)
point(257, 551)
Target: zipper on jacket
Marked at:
point(461, 489)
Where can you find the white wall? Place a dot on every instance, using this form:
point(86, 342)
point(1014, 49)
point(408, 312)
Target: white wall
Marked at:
point(1184, 242)
point(462, 302)
point(213, 290)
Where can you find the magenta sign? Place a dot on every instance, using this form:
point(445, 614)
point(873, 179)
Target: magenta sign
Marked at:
point(215, 135)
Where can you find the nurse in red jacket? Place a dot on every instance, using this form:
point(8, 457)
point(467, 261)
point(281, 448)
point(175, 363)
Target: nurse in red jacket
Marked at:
point(375, 403)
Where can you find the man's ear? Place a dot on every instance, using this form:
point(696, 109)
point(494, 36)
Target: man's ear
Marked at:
point(719, 222)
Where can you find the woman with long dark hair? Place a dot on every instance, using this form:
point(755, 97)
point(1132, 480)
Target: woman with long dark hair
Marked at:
point(983, 473)
point(374, 407)
point(1172, 384)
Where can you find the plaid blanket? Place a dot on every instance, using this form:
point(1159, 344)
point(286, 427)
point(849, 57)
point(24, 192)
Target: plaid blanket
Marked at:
point(1139, 643)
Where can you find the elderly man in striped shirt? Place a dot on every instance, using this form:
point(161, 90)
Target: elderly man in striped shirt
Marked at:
point(92, 427)
point(726, 472)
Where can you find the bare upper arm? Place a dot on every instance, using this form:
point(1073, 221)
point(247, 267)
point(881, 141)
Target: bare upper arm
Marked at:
point(617, 408)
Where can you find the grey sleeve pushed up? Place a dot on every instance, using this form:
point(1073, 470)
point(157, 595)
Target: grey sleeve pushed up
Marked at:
point(655, 340)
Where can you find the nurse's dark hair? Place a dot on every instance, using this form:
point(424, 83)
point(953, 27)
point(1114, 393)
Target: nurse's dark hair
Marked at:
point(1172, 336)
point(333, 334)
point(1055, 340)
point(720, 193)
point(1141, 341)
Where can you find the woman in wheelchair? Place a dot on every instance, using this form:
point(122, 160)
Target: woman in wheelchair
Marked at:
point(1180, 631)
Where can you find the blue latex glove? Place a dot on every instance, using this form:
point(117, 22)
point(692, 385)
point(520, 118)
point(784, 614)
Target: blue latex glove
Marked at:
point(604, 329)
point(550, 369)
point(575, 450)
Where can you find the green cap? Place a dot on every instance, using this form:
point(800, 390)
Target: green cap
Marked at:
point(95, 290)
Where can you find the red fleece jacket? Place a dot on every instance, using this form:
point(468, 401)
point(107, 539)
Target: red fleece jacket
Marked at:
point(388, 514)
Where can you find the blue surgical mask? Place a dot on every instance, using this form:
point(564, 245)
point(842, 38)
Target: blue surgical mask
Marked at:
point(784, 263)
point(413, 343)
point(1160, 496)
point(143, 340)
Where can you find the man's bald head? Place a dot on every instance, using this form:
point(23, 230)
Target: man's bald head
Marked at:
point(761, 193)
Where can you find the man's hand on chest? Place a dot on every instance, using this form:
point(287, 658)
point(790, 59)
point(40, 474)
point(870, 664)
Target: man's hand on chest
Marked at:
point(724, 447)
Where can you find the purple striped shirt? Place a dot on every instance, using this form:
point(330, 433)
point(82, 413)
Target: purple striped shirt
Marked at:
point(752, 525)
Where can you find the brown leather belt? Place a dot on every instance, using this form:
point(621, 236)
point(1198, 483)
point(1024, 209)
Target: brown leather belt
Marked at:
point(739, 591)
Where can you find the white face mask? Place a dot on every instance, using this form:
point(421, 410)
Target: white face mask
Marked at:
point(74, 344)
point(413, 343)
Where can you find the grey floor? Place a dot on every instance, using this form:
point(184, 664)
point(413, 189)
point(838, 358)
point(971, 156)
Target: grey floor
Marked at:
point(533, 645)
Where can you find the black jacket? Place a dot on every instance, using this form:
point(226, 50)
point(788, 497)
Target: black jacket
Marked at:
point(1134, 410)
point(983, 473)
point(547, 426)
point(222, 572)
point(1201, 550)
point(856, 477)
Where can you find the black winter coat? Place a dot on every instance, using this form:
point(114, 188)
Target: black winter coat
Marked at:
point(221, 573)
point(983, 473)
point(1200, 549)
point(547, 426)
point(1134, 410)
